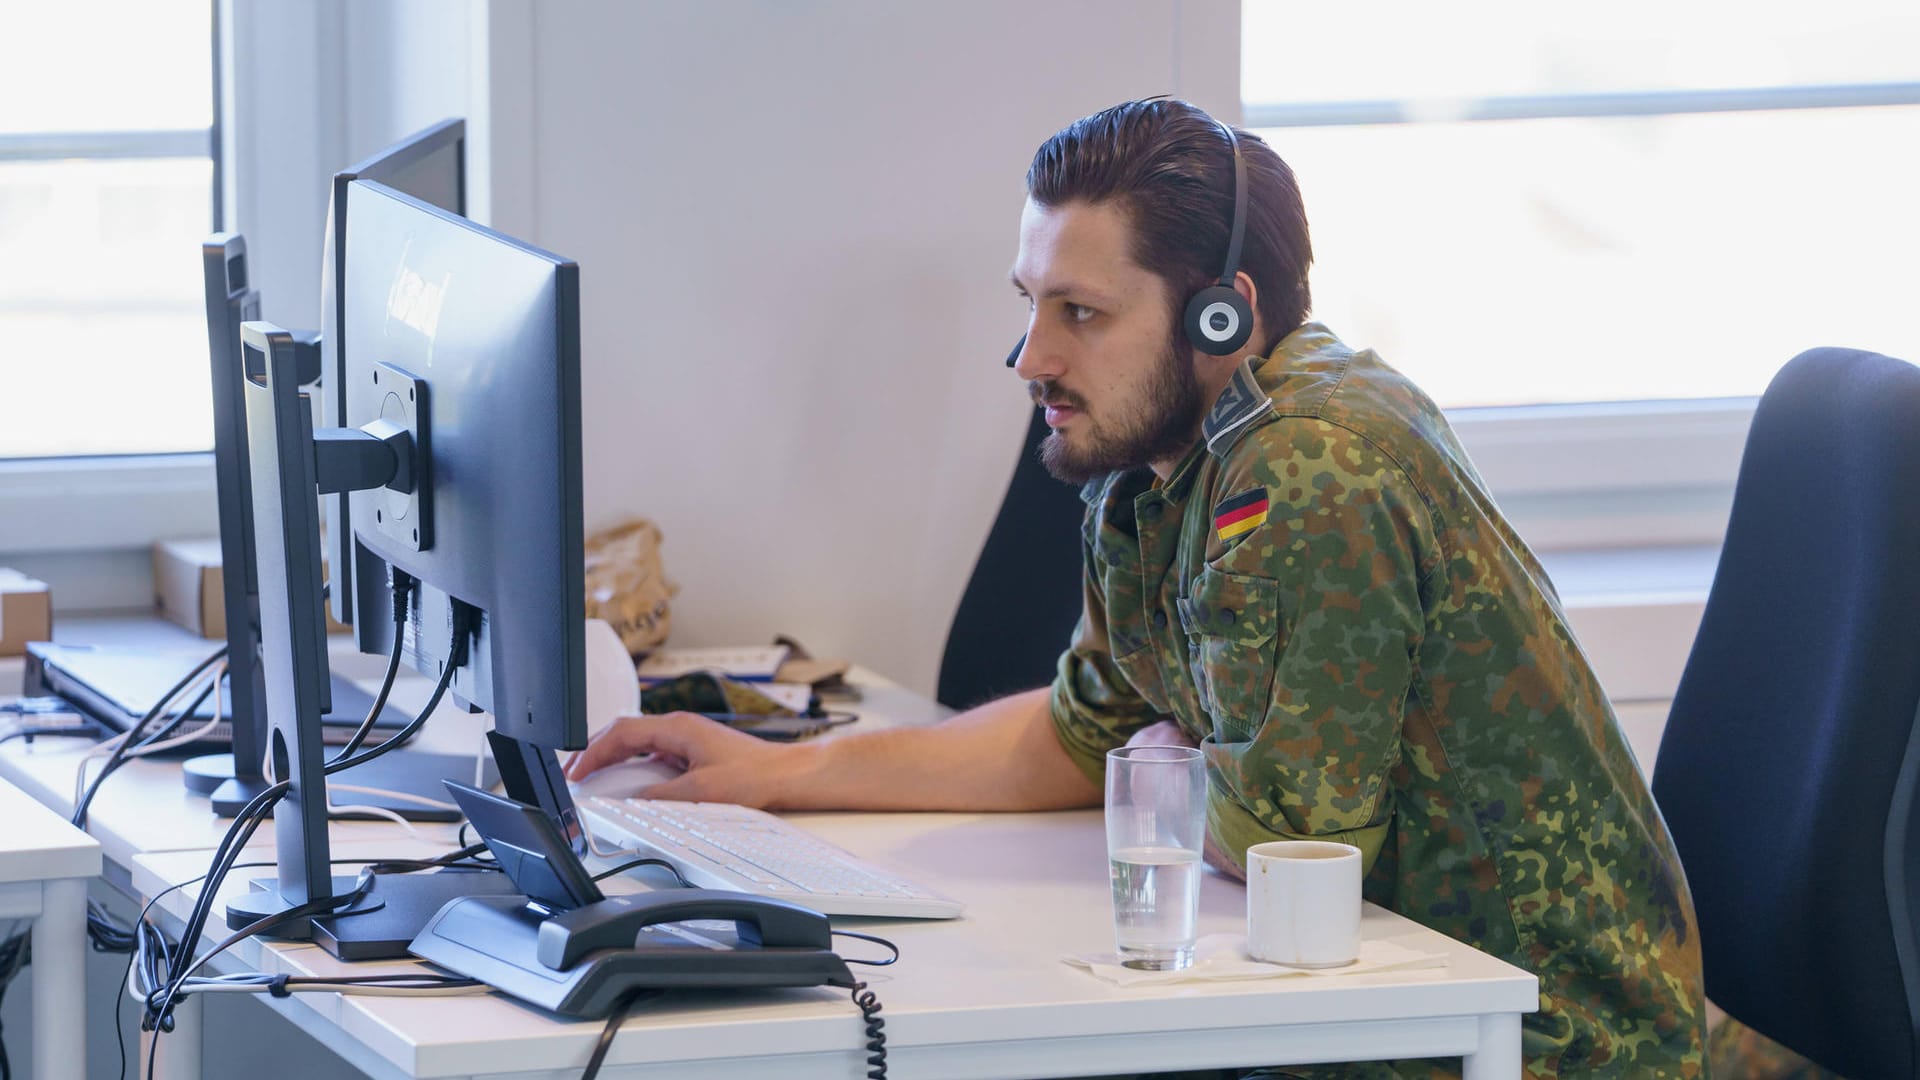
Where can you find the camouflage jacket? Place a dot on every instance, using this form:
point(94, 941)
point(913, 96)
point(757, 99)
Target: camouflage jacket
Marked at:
point(1324, 596)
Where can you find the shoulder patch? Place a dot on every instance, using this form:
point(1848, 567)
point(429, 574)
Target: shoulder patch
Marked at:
point(1238, 514)
point(1239, 404)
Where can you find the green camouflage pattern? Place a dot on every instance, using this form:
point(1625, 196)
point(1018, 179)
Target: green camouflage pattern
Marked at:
point(1737, 1052)
point(1384, 662)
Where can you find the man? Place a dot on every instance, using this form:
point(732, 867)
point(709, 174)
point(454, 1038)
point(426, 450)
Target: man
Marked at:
point(1289, 561)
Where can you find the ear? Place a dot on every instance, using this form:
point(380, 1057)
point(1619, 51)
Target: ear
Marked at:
point(1243, 284)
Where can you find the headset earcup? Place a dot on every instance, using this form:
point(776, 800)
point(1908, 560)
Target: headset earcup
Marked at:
point(1218, 320)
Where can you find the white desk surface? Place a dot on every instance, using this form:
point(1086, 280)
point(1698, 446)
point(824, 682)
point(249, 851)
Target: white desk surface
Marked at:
point(984, 995)
point(38, 844)
point(145, 806)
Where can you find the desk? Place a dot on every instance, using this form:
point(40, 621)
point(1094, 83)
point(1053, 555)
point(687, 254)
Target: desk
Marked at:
point(146, 807)
point(45, 865)
point(983, 996)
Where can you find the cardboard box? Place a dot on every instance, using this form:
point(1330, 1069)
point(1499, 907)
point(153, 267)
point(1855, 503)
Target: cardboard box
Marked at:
point(187, 585)
point(26, 612)
point(189, 588)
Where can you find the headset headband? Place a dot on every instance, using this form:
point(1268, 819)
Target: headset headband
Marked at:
point(1239, 227)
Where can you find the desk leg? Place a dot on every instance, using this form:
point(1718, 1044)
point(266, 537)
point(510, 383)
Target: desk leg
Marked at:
point(1498, 1057)
point(60, 980)
point(179, 1054)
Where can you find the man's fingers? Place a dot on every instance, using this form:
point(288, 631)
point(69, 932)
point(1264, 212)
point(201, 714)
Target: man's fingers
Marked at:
point(631, 736)
point(686, 787)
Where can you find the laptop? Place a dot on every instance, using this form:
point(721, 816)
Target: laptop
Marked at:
point(117, 685)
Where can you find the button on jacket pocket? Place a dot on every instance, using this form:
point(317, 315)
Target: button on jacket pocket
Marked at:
point(1232, 624)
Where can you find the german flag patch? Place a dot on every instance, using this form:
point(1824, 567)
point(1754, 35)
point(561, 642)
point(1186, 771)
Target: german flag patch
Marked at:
point(1241, 513)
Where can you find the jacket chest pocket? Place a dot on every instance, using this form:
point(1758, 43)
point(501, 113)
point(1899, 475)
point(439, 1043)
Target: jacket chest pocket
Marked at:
point(1232, 623)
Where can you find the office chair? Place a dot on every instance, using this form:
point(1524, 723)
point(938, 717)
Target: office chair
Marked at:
point(1018, 612)
point(1788, 766)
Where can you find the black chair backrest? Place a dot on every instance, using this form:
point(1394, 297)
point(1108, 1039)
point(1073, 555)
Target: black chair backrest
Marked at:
point(1018, 612)
point(1787, 769)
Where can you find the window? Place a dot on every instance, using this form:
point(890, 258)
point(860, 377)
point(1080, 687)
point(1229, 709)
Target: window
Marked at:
point(1525, 204)
point(107, 188)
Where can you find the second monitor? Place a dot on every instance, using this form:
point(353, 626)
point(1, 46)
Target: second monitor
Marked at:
point(462, 454)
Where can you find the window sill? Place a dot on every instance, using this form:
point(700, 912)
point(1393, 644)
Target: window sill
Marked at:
point(107, 503)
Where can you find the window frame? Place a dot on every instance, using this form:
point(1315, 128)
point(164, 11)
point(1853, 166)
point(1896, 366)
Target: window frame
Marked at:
point(1612, 474)
point(79, 504)
point(66, 504)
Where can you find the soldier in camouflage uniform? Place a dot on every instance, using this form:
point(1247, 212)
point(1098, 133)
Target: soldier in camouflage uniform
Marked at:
point(1381, 661)
point(1287, 555)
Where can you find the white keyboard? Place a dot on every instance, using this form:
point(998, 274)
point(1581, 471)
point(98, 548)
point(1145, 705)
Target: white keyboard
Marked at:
point(722, 846)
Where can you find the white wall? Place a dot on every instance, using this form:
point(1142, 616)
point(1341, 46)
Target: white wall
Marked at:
point(794, 223)
point(317, 86)
point(404, 66)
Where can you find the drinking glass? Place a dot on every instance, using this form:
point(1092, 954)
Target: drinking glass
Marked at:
point(1156, 826)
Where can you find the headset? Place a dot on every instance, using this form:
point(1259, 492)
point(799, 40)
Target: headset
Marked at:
point(1218, 320)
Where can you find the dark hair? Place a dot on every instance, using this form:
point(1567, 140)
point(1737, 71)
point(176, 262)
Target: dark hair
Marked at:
point(1170, 166)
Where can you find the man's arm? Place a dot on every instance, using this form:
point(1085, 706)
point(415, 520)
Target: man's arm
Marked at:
point(1003, 755)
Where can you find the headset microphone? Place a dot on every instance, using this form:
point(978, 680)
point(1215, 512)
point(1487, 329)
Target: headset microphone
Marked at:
point(1014, 356)
point(1218, 320)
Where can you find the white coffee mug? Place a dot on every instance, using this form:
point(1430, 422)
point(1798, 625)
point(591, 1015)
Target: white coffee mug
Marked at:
point(1303, 903)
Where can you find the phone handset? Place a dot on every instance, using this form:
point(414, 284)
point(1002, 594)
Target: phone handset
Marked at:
point(615, 922)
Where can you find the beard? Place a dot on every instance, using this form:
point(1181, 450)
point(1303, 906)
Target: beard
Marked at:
point(1157, 424)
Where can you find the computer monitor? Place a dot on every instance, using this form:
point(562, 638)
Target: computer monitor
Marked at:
point(231, 300)
point(230, 780)
point(493, 326)
point(462, 456)
point(429, 165)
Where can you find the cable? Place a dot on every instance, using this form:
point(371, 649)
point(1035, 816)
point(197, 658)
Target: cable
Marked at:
point(618, 1017)
point(249, 820)
point(482, 851)
point(401, 584)
point(593, 845)
point(148, 746)
point(397, 985)
point(348, 811)
point(869, 1006)
point(148, 967)
point(630, 864)
point(105, 934)
point(244, 825)
point(403, 796)
point(890, 946)
point(31, 733)
point(180, 717)
point(118, 748)
point(457, 656)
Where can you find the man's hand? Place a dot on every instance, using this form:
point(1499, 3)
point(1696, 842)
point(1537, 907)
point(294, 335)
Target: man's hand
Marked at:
point(1168, 733)
point(1161, 733)
point(1217, 858)
point(722, 765)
